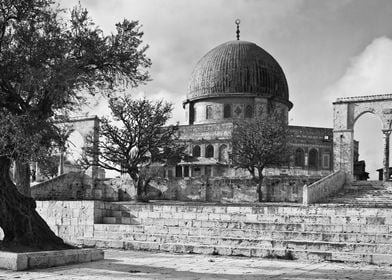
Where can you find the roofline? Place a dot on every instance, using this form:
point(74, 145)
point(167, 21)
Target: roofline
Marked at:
point(229, 95)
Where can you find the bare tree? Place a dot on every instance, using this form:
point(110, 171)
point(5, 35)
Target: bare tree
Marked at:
point(259, 143)
point(135, 137)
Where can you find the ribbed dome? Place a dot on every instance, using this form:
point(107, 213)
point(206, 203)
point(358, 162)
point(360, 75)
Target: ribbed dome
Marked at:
point(238, 67)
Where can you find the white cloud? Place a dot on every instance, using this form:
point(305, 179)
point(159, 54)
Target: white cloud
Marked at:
point(369, 72)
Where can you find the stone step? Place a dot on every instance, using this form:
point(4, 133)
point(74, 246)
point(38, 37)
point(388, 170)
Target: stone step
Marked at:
point(260, 242)
point(257, 226)
point(321, 210)
point(119, 213)
point(283, 253)
point(116, 220)
point(144, 233)
point(313, 219)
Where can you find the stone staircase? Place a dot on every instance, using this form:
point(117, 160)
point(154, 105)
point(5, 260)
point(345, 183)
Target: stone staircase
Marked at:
point(365, 194)
point(328, 232)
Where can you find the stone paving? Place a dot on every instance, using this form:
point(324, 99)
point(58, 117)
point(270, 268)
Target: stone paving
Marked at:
point(154, 265)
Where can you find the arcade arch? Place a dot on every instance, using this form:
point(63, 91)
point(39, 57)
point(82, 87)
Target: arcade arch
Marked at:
point(346, 112)
point(368, 133)
point(83, 131)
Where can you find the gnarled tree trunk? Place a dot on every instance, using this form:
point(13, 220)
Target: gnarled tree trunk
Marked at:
point(21, 223)
point(260, 184)
point(22, 177)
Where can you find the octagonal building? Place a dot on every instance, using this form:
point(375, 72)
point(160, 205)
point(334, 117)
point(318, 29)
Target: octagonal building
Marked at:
point(236, 79)
point(239, 79)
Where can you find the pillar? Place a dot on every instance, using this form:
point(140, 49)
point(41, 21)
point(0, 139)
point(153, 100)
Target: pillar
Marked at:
point(202, 150)
point(216, 151)
point(306, 158)
point(61, 164)
point(386, 133)
point(343, 151)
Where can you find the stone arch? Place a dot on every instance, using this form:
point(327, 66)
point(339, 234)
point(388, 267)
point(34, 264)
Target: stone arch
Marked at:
point(209, 151)
point(87, 129)
point(223, 153)
point(313, 159)
point(346, 112)
point(74, 146)
point(196, 151)
point(299, 157)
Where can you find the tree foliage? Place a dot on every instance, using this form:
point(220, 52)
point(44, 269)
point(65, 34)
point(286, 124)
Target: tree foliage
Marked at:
point(49, 61)
point(259, 143)
point(134, 137)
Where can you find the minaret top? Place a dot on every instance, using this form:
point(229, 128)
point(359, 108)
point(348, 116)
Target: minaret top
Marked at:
point(237, 21)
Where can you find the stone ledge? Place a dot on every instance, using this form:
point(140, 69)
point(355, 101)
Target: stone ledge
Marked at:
point(44, 259)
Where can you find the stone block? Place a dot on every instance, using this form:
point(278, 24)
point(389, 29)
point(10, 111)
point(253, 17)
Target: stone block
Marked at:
point(38, 260)
point(241, 252)
point(205, 250)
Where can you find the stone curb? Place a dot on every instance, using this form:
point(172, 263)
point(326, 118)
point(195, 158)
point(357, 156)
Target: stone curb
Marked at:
point(44, 259)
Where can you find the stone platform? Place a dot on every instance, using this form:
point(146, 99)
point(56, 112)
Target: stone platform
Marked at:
point(144, 265)
point(44, 259)
point(328, 232)
point(354, 226)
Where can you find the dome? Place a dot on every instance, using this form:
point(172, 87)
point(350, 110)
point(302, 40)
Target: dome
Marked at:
point(238, 68)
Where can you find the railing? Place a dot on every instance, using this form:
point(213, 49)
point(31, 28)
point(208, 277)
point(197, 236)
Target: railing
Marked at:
point(324, 187)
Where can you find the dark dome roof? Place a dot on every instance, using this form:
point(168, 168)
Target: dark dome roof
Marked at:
point(238, 67)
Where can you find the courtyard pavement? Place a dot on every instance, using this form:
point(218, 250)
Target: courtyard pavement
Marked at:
point(156, 265)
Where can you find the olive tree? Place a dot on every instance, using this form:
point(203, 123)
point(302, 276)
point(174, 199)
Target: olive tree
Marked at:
point(50, 60)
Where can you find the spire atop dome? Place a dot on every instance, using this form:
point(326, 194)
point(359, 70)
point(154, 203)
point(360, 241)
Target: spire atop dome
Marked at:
point(237, 21)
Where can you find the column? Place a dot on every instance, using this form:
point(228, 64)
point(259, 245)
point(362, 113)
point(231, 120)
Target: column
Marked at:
point(306, 158)
point(203, 150)
point(216, 151)
point(386, 154)
point(61, 163)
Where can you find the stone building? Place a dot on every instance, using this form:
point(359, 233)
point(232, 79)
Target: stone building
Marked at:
point(239, 79)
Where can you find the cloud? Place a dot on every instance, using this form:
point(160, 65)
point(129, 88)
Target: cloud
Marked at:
point(369, 73)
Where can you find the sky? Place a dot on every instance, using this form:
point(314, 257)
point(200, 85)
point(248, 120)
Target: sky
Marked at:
point(327, 49)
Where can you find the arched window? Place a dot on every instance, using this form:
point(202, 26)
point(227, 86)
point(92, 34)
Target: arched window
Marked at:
point(227, 111)
point(313, 158)
point(192, 115)
point(209, 151)
point(299, 159)
point(196, 151)
point(223, 156)
point(326, 160)
point(208, 112)
point(249, 111)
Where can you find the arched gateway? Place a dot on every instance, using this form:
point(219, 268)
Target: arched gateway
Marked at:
point(346, 113)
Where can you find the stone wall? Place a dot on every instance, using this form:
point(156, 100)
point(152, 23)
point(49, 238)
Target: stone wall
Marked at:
point(65, 186)
point(323, 188)
point(72, 219)
point(275, 188)
point(76, 185)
